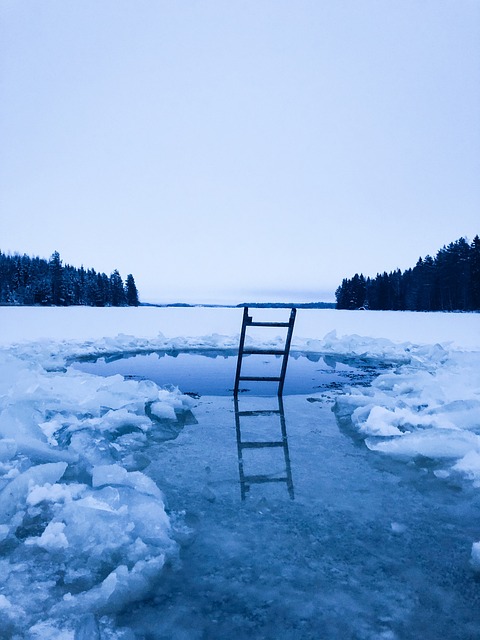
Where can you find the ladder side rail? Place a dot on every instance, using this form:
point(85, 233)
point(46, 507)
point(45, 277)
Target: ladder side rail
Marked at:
point(241, 472)
point(286, 452)
point(288, 342)
point(243, 331)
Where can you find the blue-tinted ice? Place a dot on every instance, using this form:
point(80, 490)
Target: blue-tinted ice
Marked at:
point(367, 549)
point(303, 533)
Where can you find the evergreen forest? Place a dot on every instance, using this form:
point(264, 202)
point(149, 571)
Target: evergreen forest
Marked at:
point(448, 282)
point(36, 281)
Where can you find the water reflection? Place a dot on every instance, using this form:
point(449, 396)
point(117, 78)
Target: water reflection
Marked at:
point(211, 371)
point(246, 442)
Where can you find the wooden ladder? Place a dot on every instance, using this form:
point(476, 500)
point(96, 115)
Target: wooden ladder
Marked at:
point(248, 322)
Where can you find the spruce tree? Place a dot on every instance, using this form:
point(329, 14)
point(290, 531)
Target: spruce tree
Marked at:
point(117, 291)
point(131, 292)
point(475, 273)
point(56, 279)
point(27, 281)
point(448, 282)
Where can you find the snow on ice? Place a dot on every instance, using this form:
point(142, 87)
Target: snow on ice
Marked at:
point(85, 531)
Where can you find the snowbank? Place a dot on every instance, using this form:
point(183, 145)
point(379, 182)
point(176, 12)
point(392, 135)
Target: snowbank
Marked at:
point(427, 407)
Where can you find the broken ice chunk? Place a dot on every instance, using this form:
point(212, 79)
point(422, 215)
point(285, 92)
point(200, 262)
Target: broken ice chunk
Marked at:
point(15, 493)
point(52, 539)
point(115, 474)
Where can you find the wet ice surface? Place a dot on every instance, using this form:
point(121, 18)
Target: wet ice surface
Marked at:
point(212, 372)
point(376, 544)
point(369, 548)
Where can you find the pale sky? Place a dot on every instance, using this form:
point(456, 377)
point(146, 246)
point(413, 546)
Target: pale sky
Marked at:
point(237, 150)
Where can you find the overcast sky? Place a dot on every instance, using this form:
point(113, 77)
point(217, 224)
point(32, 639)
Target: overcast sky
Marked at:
point(229, 150)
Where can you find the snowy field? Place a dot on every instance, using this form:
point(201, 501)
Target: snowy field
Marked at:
point(84, 323)
point(89, 466)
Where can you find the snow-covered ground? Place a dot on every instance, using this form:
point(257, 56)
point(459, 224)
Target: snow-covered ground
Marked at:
point(84, 531)
point(84, 323)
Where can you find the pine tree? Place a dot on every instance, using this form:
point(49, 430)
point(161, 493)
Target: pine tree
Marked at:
point(117, 291)
point(448, 282)
point(25, 280)
point(475, 273)
point(131, 291)
point(56, 278)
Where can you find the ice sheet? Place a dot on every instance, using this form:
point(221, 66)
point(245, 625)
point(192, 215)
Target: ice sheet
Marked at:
point(82, 520)
point(80, 525)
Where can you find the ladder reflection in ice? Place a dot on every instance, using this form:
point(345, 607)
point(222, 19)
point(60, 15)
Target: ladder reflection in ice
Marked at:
point(246, 479)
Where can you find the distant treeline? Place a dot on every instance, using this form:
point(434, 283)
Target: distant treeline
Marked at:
point(253, 305)
point(36, 281)
point(448, 282)
point(288, 305)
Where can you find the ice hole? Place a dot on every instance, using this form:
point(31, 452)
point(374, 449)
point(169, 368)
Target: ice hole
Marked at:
point(212, 372)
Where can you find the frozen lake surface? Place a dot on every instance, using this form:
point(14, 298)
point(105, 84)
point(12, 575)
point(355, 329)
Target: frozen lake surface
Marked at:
point(369, 548)
point(129, 511)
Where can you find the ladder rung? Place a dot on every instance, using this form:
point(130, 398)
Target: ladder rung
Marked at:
point(260, 379)
point(265, 352)
point(261, 445)
point(268, 324)
point(260, 479)
point(261, 412)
